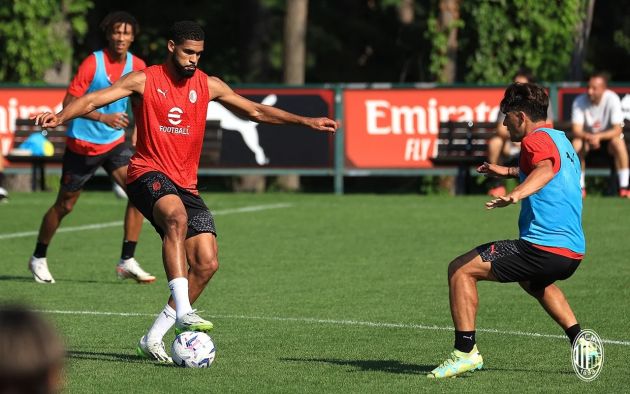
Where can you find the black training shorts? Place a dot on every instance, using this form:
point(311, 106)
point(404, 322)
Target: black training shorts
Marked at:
point(150, 187)
point(78, 169)
point(520, 261)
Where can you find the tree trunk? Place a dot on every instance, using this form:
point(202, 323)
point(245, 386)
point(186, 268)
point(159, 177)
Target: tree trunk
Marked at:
point(583, 31)
point(295, 24)
point(406, 12)
point(449, 15)
point(295, 41)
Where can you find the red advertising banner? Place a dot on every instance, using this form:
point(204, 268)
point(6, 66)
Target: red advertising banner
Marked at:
point(20, 103)
point(240, 143)
point(398, 128)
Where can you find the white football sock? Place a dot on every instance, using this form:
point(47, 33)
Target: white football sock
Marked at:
point(179, 291)
point(623, 175)
point(583, 180)
point(164, 321)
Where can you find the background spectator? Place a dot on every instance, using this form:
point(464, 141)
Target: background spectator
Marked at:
point(597, 121)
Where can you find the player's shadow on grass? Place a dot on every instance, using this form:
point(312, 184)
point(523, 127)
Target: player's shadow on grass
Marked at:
point(103, 356)
point(530, 370)
point(391, 366)
point(16, 278)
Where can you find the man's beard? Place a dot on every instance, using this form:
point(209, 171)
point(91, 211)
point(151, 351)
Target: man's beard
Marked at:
point(182, 71)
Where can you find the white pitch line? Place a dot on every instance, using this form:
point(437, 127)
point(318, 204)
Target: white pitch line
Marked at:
point(97, 226)
point(340, 322)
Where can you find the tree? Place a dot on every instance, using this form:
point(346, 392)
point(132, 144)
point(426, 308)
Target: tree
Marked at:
point(583, 31)
point(34, 36)
point(443, 34)
point(295, 23)
point(505, 35)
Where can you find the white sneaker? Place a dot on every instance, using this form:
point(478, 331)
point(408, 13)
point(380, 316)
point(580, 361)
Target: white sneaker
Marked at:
point(131, 269)
point(39, 268)
point(153, 350)
point(192, 322)
point(119, 191)
point(4, 195)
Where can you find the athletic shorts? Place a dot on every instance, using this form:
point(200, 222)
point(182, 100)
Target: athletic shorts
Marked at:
point(78, 169)
point(520, 261)
point(145, 191)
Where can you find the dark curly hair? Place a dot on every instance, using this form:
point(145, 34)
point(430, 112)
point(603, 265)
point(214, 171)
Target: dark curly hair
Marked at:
point(185, 30)
point(115, 17)
point(527, 97)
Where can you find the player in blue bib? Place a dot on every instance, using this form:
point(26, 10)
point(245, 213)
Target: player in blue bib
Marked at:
point(551, 242)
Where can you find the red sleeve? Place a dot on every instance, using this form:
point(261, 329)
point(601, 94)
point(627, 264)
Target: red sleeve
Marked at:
point(537, 147)
point(84, 76)
point(138, 64)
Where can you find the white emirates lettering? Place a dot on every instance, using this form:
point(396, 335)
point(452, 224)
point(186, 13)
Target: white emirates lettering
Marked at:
point(13, 111)
point(383, 118)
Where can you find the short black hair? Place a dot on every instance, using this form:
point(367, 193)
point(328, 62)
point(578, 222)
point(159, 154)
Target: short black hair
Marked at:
point(601, 74)
point(115, 17)
point(527, 97)
point(185, 30)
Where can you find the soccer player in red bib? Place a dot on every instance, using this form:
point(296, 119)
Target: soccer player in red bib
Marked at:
point(170, 102)
point(551, 241)
point(97, 140)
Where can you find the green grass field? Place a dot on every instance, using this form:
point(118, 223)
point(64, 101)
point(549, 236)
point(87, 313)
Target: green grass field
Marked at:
point(322, 294)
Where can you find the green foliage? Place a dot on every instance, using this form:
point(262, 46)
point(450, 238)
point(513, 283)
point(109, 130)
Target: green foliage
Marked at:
point(438, 36)
point(506, 35)
point(33, 36)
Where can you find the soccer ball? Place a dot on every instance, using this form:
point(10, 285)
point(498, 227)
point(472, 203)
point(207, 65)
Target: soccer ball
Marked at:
point(193, 350)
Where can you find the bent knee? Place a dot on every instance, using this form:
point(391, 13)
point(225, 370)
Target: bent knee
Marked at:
point(176, 223)
point(206, 267)
point(64, 207)
point(455, 266)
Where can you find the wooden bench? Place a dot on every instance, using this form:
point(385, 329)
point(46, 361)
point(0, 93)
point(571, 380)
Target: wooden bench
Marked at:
point(464, 145)
point(23, 129)
point(210, 152)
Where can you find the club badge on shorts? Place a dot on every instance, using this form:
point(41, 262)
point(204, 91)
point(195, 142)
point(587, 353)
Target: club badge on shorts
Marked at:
point(587, 355)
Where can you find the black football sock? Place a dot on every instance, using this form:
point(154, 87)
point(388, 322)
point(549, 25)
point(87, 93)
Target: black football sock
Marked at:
point(464, 341)
point(128, 249)
point(40, 250)
point(572, 332)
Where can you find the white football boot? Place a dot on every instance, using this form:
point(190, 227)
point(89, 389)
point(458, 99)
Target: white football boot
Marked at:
point(39, 268)
point(4, 195)
point(131, 269)
point(153, 350)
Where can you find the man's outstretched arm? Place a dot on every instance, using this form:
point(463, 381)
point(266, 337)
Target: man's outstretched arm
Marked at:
point(536, 180)
point(261, 113)
point(124, 87)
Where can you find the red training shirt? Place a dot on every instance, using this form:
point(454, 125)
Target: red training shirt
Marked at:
point(171, 122)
